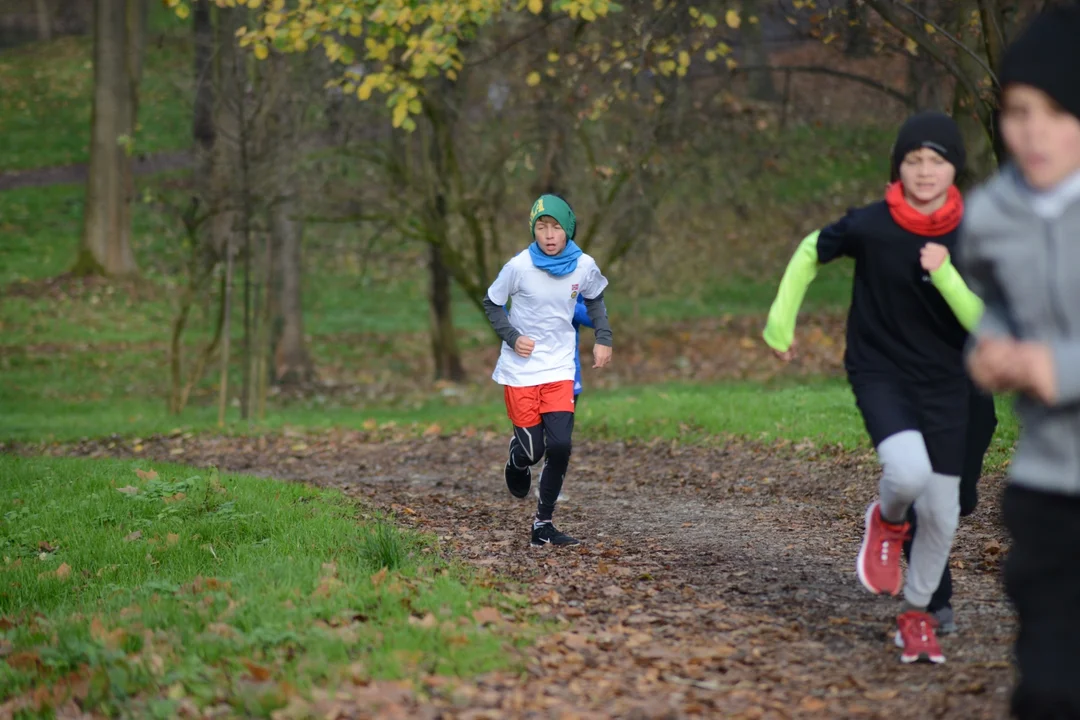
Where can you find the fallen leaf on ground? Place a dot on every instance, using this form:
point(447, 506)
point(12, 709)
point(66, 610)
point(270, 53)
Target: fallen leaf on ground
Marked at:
point(258, 672)
point(488, 615)
point(128, 490)
point(146, 474)
point(131, 537)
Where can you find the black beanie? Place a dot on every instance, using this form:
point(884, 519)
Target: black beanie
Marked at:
point(1046, 55)
point(929, 129)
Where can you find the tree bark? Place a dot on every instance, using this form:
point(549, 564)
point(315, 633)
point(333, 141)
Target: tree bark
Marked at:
point(44, 20)
point(761, 82)
point(858, 43)
point(119, 37)
point(442, 115)
point(203, 36)
point(444, 345)
point(292, 363)
point(981, 157)
point(224, 158)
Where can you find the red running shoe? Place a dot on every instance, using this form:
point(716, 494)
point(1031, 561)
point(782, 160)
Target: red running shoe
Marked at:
point(878, 565)
point(915, 634)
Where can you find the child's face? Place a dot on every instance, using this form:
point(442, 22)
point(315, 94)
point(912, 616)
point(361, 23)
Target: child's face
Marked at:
point(1042, 138)
point(550, 235)
point(926, 175)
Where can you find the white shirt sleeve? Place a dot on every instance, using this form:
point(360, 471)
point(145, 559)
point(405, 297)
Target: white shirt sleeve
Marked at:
point(505, 285)
point(593, 283)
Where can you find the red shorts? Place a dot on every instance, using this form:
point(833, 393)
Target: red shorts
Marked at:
point(525, 405)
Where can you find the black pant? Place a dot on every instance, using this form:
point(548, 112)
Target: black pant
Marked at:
point(982, 422)
point(1042, 578)
point(551, 438)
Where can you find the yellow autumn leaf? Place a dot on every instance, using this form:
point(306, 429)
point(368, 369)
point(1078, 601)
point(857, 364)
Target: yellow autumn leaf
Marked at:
point(732, 19)
point(182, 11)
point(929, 29)
point(536, 6)
point(684, 58)
point(533, 79)
point(261, 52)
point(401, 111)
point(911, 46)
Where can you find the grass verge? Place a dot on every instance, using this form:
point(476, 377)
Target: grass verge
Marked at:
point(141, 591)
point(820, 411)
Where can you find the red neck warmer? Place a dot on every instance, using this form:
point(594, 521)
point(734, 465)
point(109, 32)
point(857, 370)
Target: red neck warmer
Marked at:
point(940, 222)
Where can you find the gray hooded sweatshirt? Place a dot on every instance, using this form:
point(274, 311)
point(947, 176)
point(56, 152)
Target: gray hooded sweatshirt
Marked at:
point(1020, 251)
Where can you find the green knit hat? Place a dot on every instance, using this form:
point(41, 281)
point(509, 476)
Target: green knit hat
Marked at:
point(553, 206)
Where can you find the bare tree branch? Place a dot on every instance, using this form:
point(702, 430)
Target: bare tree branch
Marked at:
point(884, 9)
point(822, 70)
point(516, 41)
point(937, 28)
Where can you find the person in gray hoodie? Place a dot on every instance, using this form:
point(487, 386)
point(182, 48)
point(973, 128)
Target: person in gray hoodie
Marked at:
point(1020, 250)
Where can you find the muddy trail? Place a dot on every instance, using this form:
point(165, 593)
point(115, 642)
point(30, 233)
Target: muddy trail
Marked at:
point(713, 581)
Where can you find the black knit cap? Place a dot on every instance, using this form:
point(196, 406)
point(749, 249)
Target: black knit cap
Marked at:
point(1046, 55)
point(929, 129)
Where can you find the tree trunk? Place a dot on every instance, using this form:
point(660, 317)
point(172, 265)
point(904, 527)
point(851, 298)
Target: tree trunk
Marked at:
point(203, 36)
point(226, 333)
point(761, 82)
point(292, 364)
point(444, 345)
point(119, 32)
point(223, 161)
point(981, 158)
point(858, 43)
point(442, 115)
point(44, 20)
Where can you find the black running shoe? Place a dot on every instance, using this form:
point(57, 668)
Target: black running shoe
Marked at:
point(548, 534)
point(518, 480)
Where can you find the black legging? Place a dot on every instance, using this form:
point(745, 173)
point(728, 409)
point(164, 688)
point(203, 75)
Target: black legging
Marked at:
point(982, 422)
point(551, 438)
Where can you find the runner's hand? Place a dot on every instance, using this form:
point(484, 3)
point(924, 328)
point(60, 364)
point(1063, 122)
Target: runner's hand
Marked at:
point(789, 354)
point(524, 346)
point(932, 256)
point(601, 356)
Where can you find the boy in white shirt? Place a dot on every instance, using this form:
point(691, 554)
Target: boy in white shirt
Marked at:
point(536, 366)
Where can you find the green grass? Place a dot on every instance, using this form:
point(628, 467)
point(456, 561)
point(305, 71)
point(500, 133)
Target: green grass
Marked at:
point(48, 90)
point(819, 410)
point(139, 591)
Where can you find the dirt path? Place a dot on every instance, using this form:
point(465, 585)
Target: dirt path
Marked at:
point(714, 582)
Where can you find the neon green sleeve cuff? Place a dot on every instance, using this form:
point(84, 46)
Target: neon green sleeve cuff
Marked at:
point(801, 271)
point(966, 305)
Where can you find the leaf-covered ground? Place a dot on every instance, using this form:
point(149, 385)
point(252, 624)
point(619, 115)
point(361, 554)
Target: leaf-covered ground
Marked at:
point(714, 581)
